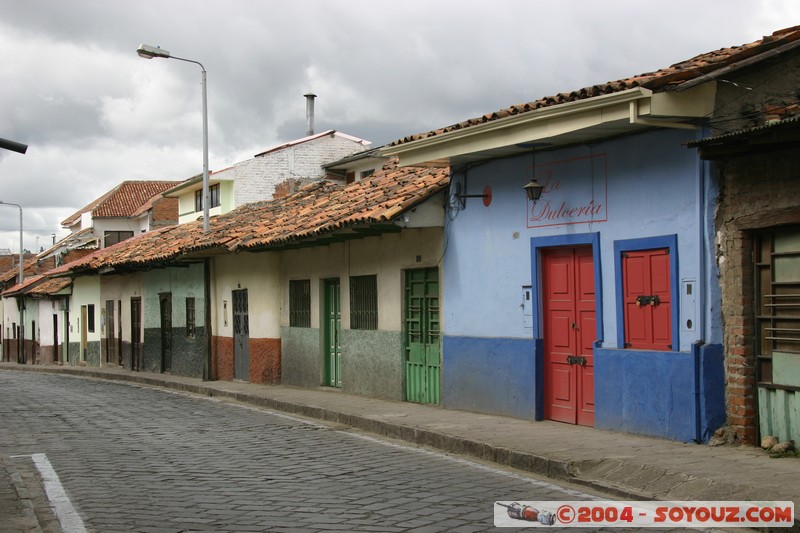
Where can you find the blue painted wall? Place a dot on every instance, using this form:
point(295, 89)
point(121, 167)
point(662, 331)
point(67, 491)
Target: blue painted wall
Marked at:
point(647, 186)
point(498, 373)
point(654, 393)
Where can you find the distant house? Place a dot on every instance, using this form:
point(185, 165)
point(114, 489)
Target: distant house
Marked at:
point(283, 168)
point(130, 208)
point(36, 312)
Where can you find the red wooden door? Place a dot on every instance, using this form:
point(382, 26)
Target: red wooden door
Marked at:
point(648, 309)
point(569, 333)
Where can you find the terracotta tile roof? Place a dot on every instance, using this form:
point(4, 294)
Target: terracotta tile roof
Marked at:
point(324, 207)
point(38, 286)
point(124, 200)
point(664, 79)
point(317, 209)
point(50, 287)
point(32, 266)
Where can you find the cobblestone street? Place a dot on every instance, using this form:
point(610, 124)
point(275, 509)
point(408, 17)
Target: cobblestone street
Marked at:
point(138, 459)
point(141, 459)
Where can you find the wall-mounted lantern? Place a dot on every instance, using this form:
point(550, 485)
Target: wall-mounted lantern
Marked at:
point(533, 190)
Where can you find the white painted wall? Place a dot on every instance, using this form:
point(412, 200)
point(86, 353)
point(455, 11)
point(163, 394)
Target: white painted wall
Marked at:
point(121, 289)
point(258, 273)
point(85, 291)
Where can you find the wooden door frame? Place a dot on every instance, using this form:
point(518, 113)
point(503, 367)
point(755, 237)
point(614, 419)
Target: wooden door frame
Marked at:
point(327, 372)
point(166, 362)
point(246, 351)
point(553, 241)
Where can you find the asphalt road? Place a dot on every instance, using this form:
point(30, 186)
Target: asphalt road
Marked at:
point(129, 458)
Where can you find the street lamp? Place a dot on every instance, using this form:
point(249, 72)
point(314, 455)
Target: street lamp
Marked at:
point(149, 52)
point(21, 273)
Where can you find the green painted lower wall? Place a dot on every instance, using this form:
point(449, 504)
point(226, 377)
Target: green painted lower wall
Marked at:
point(92, 354)
point(779, 413)
point(301, 357)
point(372, 363)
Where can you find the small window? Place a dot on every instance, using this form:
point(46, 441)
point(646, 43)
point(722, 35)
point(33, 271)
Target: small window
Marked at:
point(364, 302)
point(190, 321)
point(213, 192)
point(113, 237)
point(367, 173)
point(300, 303)
point(90, 318)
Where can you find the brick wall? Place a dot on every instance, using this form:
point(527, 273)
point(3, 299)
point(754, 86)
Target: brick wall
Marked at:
point(756, 192)
point(257, 178)
point(164, 213)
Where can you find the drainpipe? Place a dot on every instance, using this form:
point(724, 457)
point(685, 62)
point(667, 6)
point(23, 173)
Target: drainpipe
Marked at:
point(702, 286)
point(310, 113)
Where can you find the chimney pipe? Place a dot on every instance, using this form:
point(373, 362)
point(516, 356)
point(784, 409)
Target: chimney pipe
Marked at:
point(310, 112)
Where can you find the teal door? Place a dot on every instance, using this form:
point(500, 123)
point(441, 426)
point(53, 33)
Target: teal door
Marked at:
point(422, 340)
point(332, 313)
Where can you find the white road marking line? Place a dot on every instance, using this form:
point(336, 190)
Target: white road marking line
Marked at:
point(69, 518)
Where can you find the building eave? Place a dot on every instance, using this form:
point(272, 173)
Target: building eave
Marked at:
point(569, 123)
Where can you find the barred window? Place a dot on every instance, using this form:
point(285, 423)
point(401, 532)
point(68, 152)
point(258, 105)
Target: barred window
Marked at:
point(364, 302)
point(300, 303)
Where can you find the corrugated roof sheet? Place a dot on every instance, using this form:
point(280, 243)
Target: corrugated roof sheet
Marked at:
point(660, 80)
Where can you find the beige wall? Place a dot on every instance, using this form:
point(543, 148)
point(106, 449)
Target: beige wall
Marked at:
point(259, 274)
point(385, 256)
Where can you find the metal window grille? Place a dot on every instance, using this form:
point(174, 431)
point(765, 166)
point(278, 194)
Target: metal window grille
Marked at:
point(777, 309)
point(190, 320)
point(364, 302)
point(300, 303)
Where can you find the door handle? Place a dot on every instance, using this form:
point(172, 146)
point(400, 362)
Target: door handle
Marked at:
point(576, 360)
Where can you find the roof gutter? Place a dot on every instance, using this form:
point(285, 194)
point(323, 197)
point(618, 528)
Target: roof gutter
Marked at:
point(501, 128)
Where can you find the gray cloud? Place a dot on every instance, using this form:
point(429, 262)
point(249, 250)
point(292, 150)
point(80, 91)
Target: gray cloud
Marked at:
point(95, 114)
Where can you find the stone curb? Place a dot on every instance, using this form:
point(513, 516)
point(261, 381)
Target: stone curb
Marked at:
point(28, 520)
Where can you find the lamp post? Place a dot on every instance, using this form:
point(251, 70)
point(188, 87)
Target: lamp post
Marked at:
point(21, 273)
point(149, 52)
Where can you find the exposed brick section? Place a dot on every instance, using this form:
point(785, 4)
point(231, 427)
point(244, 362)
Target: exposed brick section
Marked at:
point(756, 191)
point(222, 357)
point(164, 212)
point(265, 361)
point(286, 187)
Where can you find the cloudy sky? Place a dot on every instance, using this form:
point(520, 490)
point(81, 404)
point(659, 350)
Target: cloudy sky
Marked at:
point(94, 113)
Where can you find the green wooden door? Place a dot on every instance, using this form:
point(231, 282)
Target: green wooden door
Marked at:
point(332, 328)
point(422, 342)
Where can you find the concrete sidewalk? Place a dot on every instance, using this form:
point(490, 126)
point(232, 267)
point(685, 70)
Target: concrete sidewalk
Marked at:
point(627, 466)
